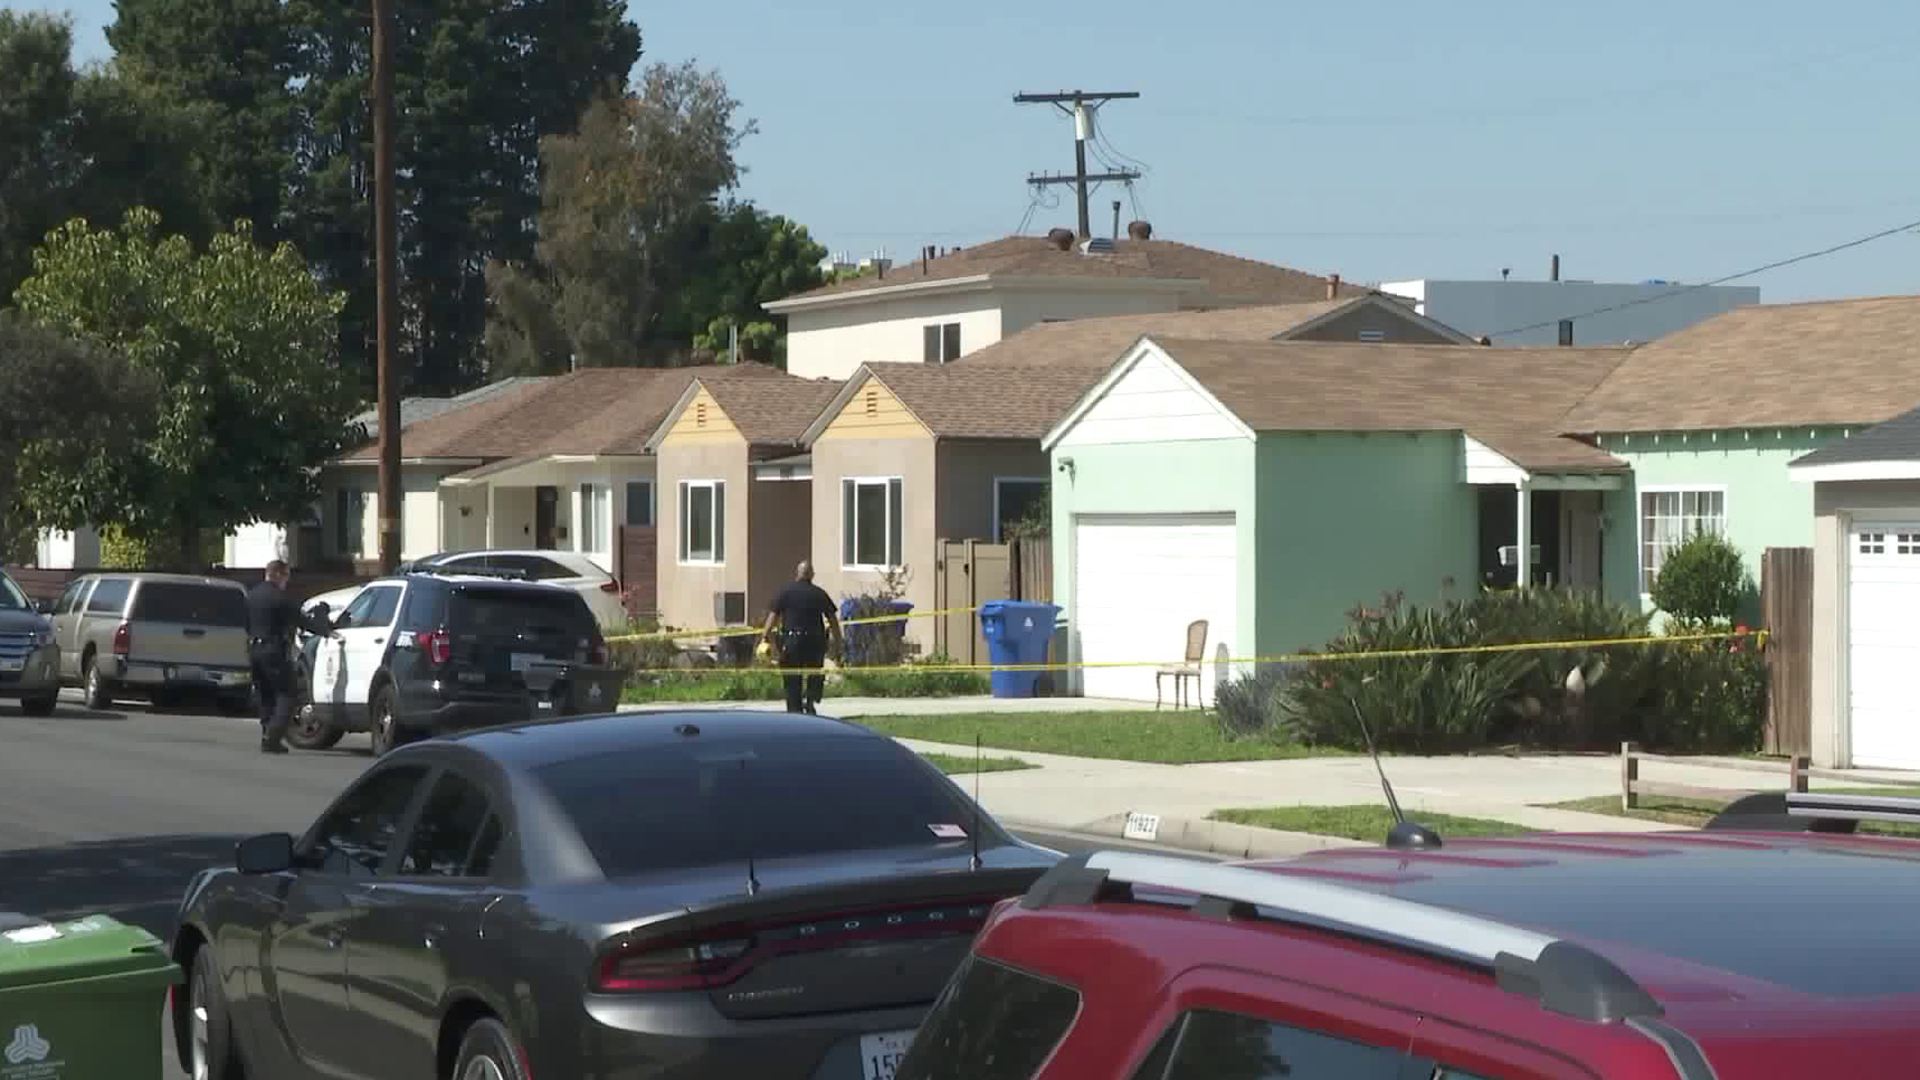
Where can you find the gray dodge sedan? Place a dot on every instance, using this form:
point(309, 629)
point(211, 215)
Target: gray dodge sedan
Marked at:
point(660, 895)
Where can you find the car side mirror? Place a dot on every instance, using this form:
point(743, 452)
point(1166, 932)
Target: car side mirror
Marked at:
point(44, 607)
point(267, 854)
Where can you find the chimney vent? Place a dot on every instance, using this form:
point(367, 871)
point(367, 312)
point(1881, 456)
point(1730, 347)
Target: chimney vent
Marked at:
point(1566, 333)
point(1060, 238)
point(1333, 286)
point(1485, 340)
point(1556, 269)
point(1140, 230)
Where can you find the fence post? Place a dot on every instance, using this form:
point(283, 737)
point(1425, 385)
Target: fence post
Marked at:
point(1797, 774)
point(1629, 772)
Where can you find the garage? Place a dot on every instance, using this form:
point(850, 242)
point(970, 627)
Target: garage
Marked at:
point(1883, 643)
point(1138, 582)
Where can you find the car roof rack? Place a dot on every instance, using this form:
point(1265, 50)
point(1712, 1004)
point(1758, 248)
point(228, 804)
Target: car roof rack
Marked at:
point(1562, 976)
point(470, 571)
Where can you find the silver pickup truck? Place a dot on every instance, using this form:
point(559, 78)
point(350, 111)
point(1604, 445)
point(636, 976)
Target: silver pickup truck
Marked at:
point(158, 637)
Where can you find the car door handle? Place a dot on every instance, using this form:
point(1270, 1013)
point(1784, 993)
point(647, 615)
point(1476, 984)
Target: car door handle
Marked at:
point(193, 632)
point(379, 641)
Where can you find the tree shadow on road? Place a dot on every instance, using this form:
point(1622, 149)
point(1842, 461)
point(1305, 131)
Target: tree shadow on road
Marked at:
point(137, 880)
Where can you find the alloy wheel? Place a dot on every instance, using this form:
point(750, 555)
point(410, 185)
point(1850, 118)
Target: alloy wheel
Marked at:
point(202, 1068)
point(482, 1068)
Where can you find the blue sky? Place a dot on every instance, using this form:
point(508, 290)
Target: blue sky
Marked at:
point(1636, 139)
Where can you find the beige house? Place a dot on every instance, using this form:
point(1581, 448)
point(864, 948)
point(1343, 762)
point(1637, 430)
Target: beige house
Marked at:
point(736, 494)
point(944, 306)
point(907, 455)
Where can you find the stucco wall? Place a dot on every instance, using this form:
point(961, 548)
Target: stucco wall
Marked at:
point(965, 488)
point(1204, 476)
point(1347, 517)
point(1764, 506)
point(420, 509)
point(833, 344)
point(911, 459)
point(687, 590)
point(1019, 310)
point(1836, 507)
point(783, 511)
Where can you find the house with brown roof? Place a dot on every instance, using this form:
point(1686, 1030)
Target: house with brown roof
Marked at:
point(906, 455)
point(948, 305)
point(1268, 488)
point(1711, 418)
point(737, 507)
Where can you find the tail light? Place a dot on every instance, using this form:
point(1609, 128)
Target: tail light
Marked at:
point(723, 954)
point(611, 585)
point(123, 639)
point(601, 655)
point(439, 645)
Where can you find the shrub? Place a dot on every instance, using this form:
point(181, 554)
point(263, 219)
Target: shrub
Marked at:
point(910, 681)
point(877, 644)
point(1248, 706)
point(1703, 581)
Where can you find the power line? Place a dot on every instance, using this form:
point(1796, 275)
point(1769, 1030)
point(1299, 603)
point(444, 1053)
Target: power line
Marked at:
point(1084, 106)
point(1908, 227)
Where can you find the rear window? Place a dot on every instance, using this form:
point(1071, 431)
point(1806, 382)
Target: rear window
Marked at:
point(992, 1023)
point(666, 807)
point(486, 611)
point(178, 602)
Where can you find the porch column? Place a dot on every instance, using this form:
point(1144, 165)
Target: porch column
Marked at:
point(490, 518)
point(1524, 578)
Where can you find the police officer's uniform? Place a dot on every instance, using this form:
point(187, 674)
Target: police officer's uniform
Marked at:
point(804, 610)
point(272, 617)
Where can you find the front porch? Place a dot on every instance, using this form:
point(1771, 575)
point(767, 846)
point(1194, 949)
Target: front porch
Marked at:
point(576, 503)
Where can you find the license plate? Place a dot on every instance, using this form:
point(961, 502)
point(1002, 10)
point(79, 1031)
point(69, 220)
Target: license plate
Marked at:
point(529, 661)
point(13, 665)
point(880, 1054)
point(187, 673)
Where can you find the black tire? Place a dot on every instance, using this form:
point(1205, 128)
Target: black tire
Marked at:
point(40, 706)
point(99, 693)
point(309, 731)
point(213, 1058)
point(488, 1042)
point(382, 724)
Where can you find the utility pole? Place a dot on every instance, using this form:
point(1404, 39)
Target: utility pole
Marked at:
point(1083, 105)
point(387, 271)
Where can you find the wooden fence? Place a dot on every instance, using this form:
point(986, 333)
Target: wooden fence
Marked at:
point(1033, 569)
point(973, 572)
point(44, 584)
point(1794, 773)
point(636, 551)
point(1786, 601)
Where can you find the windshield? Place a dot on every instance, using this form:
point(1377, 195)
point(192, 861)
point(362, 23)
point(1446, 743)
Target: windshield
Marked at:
point(11, 598)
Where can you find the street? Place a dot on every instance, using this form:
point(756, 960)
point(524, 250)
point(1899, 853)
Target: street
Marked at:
point(111, 812)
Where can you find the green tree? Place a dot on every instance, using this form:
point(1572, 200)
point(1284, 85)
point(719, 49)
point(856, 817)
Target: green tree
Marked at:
point(748, 258)
point(240, 341)
point(67, 412)
point(626, 206)
point(88, 144)
point(1703, 581)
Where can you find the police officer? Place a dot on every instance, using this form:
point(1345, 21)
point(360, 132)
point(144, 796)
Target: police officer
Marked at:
point(804, 613)
point(272, 617)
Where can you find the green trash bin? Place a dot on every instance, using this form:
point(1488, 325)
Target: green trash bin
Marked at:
point(81, 1000)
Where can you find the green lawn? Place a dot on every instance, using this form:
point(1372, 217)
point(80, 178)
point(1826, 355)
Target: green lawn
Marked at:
point(1364, 821)
point(963, 764)
point(1696, 812)
point(766, 684)
point(1169, 738)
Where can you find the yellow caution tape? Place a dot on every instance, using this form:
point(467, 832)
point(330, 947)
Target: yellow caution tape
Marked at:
point(1760, 636)
point(743, 631)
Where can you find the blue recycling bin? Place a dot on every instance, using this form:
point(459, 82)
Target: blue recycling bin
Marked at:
point(861, 639)
point(1018, 632)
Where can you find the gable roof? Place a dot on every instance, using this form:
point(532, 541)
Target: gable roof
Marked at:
point(1823, 363)
point(1015, 257)
point(1896, 440)
point(591, 411)
point(413, 410)
point(1510, 399)
point(771, 409)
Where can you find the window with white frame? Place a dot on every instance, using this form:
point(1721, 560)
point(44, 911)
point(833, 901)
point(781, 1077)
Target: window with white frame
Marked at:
point(940, 342)
point(1015, 499)
point(870, 522)
point(703, 521)
point(639, 503)
point(1668, 518)
point(596, 518)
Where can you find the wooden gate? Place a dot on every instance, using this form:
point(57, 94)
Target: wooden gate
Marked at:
point(1786, 600)
point(636, 553)
point(968, 573)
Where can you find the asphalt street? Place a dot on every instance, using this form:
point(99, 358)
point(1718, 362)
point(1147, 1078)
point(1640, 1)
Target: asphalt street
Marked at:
point(112, 812)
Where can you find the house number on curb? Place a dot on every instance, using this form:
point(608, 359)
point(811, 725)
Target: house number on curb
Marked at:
point(1142, 826)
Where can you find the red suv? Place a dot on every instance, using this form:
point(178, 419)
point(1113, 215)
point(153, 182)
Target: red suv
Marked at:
point(1764, 946)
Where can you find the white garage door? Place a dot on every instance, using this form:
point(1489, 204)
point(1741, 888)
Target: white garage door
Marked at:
point(1883, 644)
point(1138, 582)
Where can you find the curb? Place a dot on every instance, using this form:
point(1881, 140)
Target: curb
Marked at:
point(1199, 835)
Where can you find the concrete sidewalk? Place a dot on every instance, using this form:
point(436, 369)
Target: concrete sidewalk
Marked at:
point(1096, 795)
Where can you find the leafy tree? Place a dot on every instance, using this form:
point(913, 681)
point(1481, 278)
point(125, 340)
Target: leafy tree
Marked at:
point(1703, 581)
point(67, 411)
point(239, 339)
point(625, 211)
point(749, 258)
point(88, 144)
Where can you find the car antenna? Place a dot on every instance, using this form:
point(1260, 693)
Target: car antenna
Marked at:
point(976, 801)
point(1404, 834)
point(753, 882)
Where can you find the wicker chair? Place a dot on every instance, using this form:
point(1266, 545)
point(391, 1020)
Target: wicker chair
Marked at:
point(1189, 668)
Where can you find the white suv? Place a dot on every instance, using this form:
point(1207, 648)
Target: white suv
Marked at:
point(568, 569)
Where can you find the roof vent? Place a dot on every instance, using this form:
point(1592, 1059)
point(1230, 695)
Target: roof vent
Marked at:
point(1140, 230)
point(1060, 238)
point(1099, 245)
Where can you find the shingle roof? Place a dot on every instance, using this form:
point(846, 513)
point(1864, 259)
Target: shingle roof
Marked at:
point(1227, 276)
point(1896, 440)
point(590, 411)
point(1510, 399)
point(961, 401)
point(1094, 344)
point(413, 410)
point(1834, 362)
point(771, 410)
